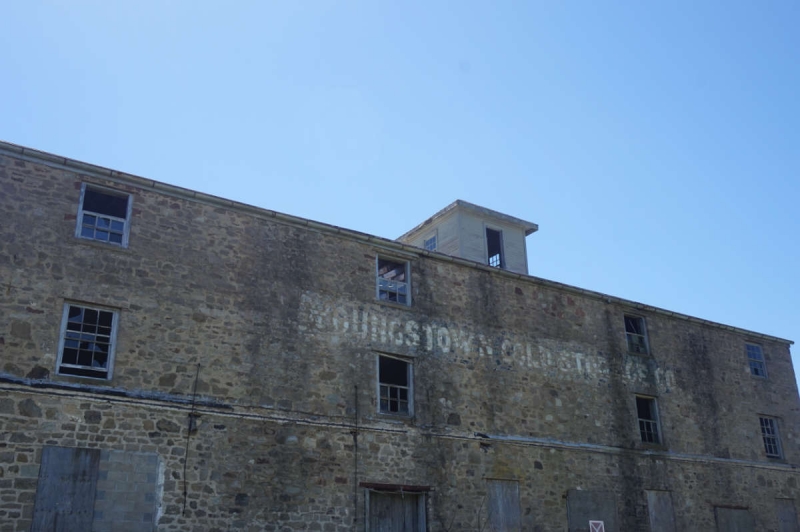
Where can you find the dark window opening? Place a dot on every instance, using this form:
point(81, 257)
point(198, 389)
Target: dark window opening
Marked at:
point(769, 433)
point(108, 204)
point(755, 357)
point(636, 335)
point(430, 243)
point(648, 419)
point(86, 342)
point(394, 383)
point(103, 216)
point(494, 247)
point(392, 281)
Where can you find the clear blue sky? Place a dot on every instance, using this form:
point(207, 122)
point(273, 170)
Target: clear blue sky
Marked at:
point(657, 145)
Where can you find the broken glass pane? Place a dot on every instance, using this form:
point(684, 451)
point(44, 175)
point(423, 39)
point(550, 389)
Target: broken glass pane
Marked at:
point(393, 371)
point(392, 285)
point(108, 204)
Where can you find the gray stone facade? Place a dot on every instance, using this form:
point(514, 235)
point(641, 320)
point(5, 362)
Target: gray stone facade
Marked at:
point(243, 389)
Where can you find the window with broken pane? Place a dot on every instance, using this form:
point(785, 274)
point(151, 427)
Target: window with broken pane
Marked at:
point(103, 216)
point(648, 419)
point(769, 433)
point(494, 248)
point(394, 385)
point(86, 346)
point(755, 358)
point(636, 335)
point(393, 282)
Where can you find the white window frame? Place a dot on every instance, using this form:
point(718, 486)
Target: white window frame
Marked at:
point(112, 344)
point(503, 259)
point(409, 388)
point(643, 336)
point(126, 221)
point(435, 238)
point(761, 363)
point(392, 287)
point(770, 423)
point(650, 422)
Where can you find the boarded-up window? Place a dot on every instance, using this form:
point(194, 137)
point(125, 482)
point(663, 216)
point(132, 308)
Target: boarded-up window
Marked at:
point(129, 505)
point(787, 515)
point(395, 512)
point(101, 491)
point(503, 505)
point(660, 511)
point(591, 505)
point(66, 490)
point(734, 520)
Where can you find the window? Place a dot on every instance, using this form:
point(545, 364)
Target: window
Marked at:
point(756, 359)
point(769, 433)
point(636, 335)
point(393, 285)
point(103, 216)
point(86, 346)
point(430, 243)
point(494, 248)
point(394, 386)
point(648, 419)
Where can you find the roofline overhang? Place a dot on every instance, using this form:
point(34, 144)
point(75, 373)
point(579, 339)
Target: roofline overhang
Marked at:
point(528, 227)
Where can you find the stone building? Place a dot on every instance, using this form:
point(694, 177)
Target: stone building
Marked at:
point(171, 360)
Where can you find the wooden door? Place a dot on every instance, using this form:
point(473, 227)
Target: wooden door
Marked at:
point(66, 489)
point(396, 512)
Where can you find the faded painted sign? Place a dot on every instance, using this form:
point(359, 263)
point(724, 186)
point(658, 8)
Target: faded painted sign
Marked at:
point(391, 330)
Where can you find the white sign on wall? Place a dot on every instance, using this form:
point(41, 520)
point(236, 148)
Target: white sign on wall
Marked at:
point(597, 526)
point(382, 327)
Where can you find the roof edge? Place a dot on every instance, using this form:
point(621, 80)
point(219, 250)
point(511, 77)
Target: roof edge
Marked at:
point(49, 159)
point(528, 227)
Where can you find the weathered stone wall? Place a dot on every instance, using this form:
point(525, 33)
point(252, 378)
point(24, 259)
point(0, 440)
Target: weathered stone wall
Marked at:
point(258, 473)
point(514, 377)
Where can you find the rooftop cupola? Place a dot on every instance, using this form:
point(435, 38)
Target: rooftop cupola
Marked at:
point(476, 233)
